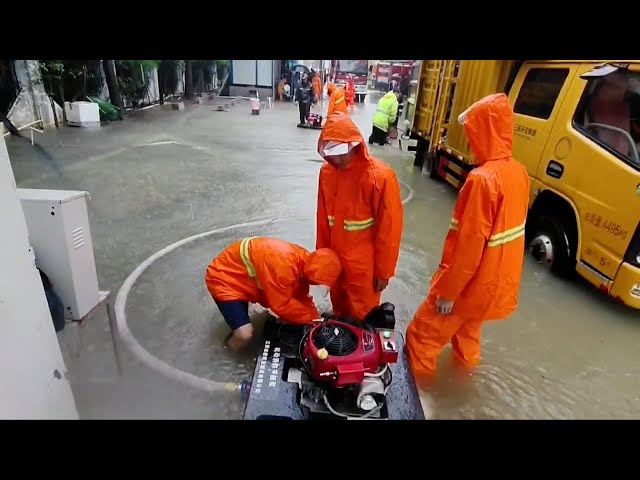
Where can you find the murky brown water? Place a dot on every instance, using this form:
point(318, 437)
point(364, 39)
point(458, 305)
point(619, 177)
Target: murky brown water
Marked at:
point(568, 352)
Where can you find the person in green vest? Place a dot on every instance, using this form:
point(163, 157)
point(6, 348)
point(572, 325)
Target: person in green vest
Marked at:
point(385, 116)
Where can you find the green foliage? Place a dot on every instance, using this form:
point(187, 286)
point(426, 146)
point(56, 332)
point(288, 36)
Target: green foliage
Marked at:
point(51, 68)
point(72, 78)
point(222, 67)
point(132, 76)
point(50, 71)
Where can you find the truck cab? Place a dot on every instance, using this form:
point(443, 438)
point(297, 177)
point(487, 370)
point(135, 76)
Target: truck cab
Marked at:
point(577, 131)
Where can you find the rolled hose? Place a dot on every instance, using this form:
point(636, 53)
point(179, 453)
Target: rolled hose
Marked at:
point(152, 361)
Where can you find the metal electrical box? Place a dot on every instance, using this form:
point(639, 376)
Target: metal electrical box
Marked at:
point(59, 233)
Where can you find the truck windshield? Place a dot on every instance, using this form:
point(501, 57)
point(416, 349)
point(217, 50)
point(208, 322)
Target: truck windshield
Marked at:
point(357, 67)
point(609, 114)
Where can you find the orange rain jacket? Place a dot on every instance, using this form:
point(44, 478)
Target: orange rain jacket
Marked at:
point(274, 273)
point(317, 87)
point(484, 249)
point(337, 101)
point(483, 252)
point(359, 216)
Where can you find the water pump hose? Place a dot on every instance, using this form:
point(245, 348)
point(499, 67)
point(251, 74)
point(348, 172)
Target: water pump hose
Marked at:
point(151, 360)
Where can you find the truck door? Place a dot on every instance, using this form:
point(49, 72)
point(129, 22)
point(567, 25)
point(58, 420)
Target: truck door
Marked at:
point(597, 167)
point(537, 95)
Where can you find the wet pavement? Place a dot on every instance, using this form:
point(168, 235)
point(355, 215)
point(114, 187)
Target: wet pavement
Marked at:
point(163, 175)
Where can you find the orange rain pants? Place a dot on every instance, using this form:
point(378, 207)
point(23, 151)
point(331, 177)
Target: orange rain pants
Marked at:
point(273, 273)
point(483, 252)
point(359, 216)
point(337, 102)
point(317, 87)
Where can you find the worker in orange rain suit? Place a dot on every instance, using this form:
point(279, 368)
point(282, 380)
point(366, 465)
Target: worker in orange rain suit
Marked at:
point(350, 92)
point(479, 273)
point(317, 85)
point(337, 102)
point(273, 273)
point(359, 216)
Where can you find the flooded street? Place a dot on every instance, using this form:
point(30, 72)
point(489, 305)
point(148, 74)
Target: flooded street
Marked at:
point(162, 175)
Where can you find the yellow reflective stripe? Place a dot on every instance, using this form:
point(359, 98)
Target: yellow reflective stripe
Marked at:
point(354, 225)
point(506, 236)
point(331, 219)
point(454, 224)
point(244, 255)
point(339, 100)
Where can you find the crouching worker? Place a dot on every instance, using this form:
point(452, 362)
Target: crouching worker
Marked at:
point(479, 273)
point(273, 273)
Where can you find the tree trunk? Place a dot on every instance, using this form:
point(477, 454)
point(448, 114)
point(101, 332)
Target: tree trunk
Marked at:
point(53, 103)
point(112, 84)
point(201, 77)
point(188, 80)
point(161, 82)
point(61, 95)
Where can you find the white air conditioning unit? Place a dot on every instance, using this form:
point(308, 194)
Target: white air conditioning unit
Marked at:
point(59, 233)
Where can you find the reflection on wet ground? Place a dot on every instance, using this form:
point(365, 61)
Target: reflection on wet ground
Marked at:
point(568, 352)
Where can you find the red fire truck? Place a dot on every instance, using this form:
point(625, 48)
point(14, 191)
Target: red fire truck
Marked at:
point(386, 71)
point(341, 69)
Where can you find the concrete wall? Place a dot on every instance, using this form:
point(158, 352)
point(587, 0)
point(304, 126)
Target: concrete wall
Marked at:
point(32, 103)
point(33, 374)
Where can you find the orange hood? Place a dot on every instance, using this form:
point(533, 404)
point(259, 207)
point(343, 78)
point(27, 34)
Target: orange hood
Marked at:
point(489, 128)
point(322, 267)
point(330, 88)
point(340, 128)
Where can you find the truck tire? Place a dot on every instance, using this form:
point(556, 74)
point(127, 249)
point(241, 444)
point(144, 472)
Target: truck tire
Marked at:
point(551, 247)
point(429, 167)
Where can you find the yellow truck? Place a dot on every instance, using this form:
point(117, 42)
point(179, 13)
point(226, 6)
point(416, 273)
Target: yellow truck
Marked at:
point(577, 131)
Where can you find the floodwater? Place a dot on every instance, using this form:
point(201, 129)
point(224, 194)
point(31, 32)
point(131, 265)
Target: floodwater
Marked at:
point(568, 352)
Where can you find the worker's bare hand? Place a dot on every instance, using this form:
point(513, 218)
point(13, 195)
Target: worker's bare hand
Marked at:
point(444, 306)
point(379, 284)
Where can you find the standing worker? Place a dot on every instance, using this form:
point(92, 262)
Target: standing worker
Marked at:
point(350, 92)
point(359, 216)
point(281, 84)
point(317, 85)
point(273, 273)
point(385, 116)
point(304, 99)
point(337, 101)
point(479, 273)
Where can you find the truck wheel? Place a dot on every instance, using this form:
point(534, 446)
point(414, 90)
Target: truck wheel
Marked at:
point(551, 247)
point(429, 166)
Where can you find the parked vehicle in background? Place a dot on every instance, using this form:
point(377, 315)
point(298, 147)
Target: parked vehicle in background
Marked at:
point(359, 69)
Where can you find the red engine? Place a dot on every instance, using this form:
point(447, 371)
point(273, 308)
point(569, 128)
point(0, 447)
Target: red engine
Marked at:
point(340, 353)
point(314, 119)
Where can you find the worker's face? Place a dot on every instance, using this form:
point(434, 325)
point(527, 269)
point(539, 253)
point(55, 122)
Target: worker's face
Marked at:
point(341, 161)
